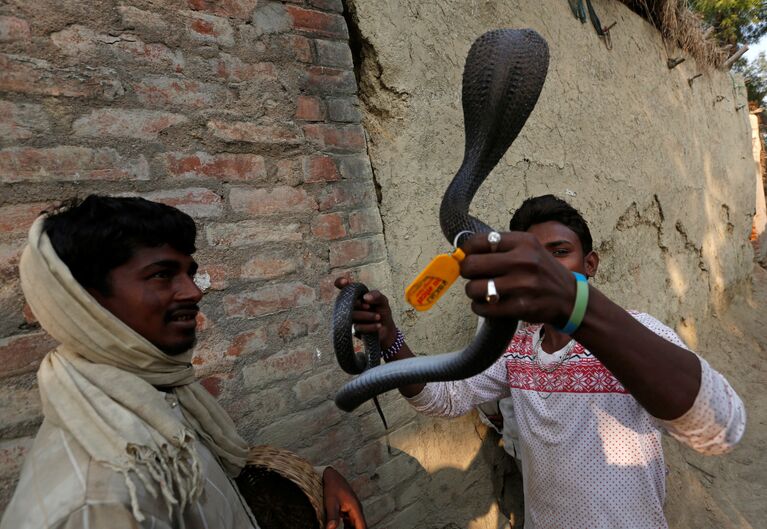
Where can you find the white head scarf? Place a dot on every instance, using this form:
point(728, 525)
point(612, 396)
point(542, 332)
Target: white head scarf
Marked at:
point(99, 386)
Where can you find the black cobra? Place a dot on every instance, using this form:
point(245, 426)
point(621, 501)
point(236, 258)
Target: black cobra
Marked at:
point(502, 79)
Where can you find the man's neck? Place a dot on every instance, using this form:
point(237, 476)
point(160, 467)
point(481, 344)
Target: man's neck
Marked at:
point(553, 340)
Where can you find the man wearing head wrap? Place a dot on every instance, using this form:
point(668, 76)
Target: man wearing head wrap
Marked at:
point(129, 438)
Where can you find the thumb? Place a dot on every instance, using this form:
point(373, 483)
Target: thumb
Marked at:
point(331, 524)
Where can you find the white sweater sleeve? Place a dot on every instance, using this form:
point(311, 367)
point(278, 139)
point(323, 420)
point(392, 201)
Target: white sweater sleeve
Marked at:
point(717, 419)
point(458, 397)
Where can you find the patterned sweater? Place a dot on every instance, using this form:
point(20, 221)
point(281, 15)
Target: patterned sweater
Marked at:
point(591, 454)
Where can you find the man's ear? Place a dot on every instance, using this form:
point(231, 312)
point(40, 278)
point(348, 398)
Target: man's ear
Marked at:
point(591, 262)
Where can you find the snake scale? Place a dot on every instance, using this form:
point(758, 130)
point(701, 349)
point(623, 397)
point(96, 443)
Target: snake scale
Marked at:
point(503, 76)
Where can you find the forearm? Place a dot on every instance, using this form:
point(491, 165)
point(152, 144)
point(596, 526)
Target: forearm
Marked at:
point(410, 390)
point(664, 378)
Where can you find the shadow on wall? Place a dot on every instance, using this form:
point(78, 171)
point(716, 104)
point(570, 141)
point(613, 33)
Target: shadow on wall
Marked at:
point(472, 503)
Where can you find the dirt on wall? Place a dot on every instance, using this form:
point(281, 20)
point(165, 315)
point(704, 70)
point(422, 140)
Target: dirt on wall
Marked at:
point(657, 159)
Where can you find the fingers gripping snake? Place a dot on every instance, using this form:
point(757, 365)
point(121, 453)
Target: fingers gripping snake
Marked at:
point(502, 79)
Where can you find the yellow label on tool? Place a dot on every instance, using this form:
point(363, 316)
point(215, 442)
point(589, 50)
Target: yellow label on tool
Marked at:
point(434, 280)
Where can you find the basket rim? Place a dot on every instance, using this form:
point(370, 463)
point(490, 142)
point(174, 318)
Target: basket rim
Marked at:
point(294, 468)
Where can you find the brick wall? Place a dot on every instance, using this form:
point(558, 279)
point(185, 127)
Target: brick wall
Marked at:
point(243, 114)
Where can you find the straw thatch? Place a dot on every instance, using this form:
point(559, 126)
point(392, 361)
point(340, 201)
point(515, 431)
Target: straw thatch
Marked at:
point(684, 28)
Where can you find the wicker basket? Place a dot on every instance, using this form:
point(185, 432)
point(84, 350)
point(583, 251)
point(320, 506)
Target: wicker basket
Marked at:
point(282, 489)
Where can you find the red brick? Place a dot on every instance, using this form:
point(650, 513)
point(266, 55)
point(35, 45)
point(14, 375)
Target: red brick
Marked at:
point(282, 199)
point(12, 28)
point(17, 218)
point(69, 163)
point(355, 251)
point(126, 123)
point(268, 300)
point(248, 343)
point(328, 5)
point(309, 108)
point(234, 69)
point(34, 76)
point(290, 329)
point(318, 23)
point(209, 354)
point(196, 201)
point(212, 384)
point(227, 8)
point(161, 91)
point(249, 232)
point(145, 21)
point(268, 267)
point(330, 226)
point(320, 169)
point(203, 322)
point(22, 353)
point(220, 274)
point(245, 131)
point(209, 29)
point(324, 80)
point(348, 138)
point(22, 121)
point(288, 172)
point(334, 53)
point(9, 261)
point(12, 455)
point(300, 47)
point(226, 167)
point(77, 41)
point(344, 195)
point(277, 367)
point(365, 221)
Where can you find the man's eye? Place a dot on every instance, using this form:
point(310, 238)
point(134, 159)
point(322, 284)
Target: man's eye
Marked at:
point(162, 274)
point(560, 252)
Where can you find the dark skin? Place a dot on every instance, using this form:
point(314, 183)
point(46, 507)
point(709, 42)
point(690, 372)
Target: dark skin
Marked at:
point(532, 274)
point(155, 295)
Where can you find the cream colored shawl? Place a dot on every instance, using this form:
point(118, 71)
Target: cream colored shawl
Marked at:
point(99, 386)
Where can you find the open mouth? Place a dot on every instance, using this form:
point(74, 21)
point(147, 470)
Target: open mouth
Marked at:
point(186, 315)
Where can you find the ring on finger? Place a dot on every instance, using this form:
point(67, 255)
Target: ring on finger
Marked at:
point(492, 294)
point(493, 238)
point(354, 332)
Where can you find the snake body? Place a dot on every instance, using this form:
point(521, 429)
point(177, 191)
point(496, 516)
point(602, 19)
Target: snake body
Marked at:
point(503, 76)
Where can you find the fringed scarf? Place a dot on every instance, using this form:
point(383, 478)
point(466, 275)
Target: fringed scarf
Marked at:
point(99, 385)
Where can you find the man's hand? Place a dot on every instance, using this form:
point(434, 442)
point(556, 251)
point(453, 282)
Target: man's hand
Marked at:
point(340, 502)
point(532, 285)
point(372, 315)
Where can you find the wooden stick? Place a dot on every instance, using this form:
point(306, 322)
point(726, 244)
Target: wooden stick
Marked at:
point(734, 57)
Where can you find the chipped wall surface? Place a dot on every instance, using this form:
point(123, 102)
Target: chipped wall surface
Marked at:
point(660, 166)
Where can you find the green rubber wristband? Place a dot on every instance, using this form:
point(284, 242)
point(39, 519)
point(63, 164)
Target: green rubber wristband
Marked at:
point(581, 301)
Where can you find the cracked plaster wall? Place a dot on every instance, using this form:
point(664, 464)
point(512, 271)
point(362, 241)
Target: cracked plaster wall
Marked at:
point(661, 169)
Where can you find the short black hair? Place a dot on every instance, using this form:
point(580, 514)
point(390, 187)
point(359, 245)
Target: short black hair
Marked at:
point(98, 234)
point(546, 208)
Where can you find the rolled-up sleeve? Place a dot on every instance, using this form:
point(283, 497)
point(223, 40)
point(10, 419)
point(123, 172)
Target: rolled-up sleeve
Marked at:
point(717, 419)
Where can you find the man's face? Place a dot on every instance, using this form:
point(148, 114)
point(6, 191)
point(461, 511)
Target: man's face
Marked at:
point(565, 245)
point(155, 295)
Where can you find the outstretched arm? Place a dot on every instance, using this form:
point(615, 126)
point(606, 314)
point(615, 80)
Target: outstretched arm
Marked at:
point(534, 287)
point(444, 399)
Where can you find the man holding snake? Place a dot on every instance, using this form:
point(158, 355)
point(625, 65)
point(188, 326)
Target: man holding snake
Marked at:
point(592, 385)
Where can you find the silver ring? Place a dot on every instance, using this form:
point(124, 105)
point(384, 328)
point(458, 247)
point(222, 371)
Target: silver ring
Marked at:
point(492, 294)
point(494, 238)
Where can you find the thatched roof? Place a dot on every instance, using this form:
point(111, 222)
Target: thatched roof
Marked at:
point(682, 27)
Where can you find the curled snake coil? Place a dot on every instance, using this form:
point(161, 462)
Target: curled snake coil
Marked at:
point(502, 79)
